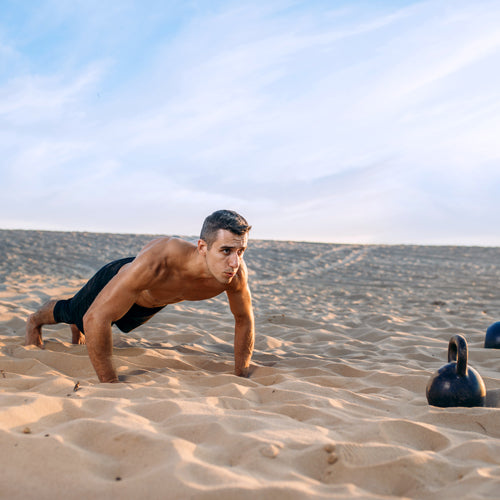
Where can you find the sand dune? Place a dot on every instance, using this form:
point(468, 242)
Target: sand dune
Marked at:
point(347, 338)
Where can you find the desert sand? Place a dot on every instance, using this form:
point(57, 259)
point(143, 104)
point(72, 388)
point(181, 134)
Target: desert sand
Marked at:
point(335, 408)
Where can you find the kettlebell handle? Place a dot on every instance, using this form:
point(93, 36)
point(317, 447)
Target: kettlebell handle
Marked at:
point(457, 350)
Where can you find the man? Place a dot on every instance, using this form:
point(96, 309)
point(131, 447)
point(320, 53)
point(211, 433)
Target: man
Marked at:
point(130, 291)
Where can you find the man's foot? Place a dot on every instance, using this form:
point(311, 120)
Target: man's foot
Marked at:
point(77, 336)
point(33, 333)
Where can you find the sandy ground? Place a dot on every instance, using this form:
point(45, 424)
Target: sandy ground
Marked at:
point(347, 338)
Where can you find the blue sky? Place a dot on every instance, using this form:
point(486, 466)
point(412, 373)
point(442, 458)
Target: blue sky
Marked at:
point(337, 121)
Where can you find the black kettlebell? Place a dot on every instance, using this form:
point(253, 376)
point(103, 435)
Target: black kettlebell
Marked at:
point(455, 384)
point(492, 339)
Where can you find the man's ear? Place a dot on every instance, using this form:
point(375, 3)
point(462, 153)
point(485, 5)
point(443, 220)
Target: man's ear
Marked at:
point(202, 247)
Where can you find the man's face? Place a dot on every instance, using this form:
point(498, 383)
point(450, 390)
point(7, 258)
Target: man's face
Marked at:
point(225, 255)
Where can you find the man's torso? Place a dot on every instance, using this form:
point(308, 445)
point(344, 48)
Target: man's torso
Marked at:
point(174, 274)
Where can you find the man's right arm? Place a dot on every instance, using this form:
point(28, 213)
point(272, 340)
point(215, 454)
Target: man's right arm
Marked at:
point(115, 299)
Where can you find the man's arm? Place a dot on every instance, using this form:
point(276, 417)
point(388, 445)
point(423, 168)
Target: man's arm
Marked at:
point(115, 299)
point(240, 302)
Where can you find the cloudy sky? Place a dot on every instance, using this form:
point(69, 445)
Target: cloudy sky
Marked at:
point(337, 121)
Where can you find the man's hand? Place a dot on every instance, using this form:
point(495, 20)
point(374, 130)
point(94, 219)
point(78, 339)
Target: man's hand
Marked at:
point(243, 372)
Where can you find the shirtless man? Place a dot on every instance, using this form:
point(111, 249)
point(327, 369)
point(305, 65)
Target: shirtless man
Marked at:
point(130, 291)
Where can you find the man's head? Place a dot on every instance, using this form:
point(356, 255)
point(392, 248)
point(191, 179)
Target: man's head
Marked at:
point(223, 241)
point(223, 219)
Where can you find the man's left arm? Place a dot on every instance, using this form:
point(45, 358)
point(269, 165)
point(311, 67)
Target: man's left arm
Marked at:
point(240, 302)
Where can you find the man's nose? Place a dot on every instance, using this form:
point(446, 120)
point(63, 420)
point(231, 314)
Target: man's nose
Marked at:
point(234, 261)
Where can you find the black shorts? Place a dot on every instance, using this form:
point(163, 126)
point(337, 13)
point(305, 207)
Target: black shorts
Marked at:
point(73, 310)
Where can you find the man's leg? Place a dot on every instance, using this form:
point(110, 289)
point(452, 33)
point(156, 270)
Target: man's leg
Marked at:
point(77, 336)
point(44, 316)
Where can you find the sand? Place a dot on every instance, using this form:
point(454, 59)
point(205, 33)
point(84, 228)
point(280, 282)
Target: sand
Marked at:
point(347, 338)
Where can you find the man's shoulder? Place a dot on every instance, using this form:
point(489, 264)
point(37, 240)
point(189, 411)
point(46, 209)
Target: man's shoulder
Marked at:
point(159, 256)
point(166, 251)
point(166, 245)
point(174, 248)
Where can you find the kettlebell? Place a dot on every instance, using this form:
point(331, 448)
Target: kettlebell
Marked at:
point(492, 339)
point(456, 384)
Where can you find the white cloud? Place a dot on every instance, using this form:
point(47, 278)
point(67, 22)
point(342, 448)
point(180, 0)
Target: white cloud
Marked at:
point(35, 99)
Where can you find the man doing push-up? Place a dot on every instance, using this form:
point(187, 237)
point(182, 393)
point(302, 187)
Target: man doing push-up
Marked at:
point(129, 291)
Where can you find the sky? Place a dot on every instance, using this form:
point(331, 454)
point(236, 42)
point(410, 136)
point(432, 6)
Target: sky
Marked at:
point(329, 121)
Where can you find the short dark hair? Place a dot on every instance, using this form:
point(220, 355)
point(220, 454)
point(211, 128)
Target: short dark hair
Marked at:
point(223, 219)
